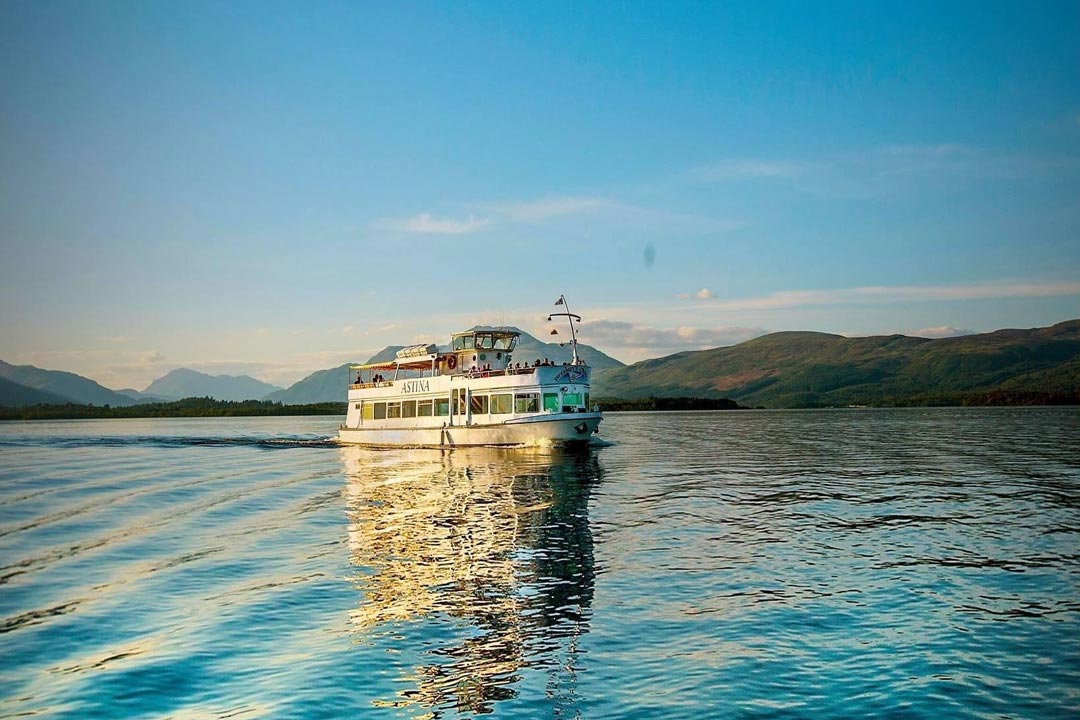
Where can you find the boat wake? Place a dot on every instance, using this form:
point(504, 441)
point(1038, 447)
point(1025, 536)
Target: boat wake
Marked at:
point(268, 443)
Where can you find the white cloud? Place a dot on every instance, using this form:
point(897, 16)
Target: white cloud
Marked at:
point(703, 294)
point(426, 224)
point(896, 294)
point(944, 331)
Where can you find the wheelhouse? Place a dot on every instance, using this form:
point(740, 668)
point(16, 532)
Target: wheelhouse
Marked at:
point(484, 339)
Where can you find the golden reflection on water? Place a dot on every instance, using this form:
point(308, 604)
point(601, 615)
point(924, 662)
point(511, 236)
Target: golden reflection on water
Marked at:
point(495, 539)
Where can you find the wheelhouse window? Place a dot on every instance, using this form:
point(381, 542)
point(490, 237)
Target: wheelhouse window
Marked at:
point(484, 341)
point(502, 404)
point(505, 342)
point(527, 403)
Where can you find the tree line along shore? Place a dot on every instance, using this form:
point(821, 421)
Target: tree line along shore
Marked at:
point(208, 407)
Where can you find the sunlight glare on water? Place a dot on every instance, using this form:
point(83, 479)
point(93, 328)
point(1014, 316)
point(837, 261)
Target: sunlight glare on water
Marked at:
point(909, 563)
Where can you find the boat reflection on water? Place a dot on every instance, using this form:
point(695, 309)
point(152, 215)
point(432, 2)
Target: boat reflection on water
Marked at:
point(483, 558)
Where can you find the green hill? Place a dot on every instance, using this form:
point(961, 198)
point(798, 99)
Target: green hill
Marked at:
point(806, 369)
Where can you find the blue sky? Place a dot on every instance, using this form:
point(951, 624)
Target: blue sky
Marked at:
point(276, 188)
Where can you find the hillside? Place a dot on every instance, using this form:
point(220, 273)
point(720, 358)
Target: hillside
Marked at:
point(14, 395)
point(320, 386)
point(806, 369)
point(185, 383)
point(68, 386)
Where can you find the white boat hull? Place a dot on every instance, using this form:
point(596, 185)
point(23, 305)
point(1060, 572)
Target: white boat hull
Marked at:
point(548, 429)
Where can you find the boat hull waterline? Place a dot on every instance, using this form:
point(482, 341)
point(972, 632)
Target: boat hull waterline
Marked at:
point(554, 430)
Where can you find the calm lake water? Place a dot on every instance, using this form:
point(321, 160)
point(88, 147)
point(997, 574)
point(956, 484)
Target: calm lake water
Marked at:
point(857, 563)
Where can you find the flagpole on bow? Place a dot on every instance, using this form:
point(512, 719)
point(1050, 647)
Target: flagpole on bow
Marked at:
point(570, 317)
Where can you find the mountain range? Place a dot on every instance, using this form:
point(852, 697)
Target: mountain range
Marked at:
point(66, 386)
point(784, 369)
point(809, 369)
point(183, 383)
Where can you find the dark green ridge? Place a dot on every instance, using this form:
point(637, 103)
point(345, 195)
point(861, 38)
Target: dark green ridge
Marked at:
point(806, 369)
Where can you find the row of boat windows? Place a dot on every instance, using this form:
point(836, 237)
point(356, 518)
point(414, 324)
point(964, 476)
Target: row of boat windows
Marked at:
point(484, 341)
point(496, 404)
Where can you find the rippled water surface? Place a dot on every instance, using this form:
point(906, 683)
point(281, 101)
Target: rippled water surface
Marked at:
point(861, 563)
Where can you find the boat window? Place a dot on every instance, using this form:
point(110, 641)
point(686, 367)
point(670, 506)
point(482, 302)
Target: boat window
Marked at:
point(368, 411)
point(380, 411)
point(551, 401)
point(502, 404)
point(484, 342)
point(393, 410)
point(442, 407)
point(408, 408)
point(459, 343)
point(571, 399)
point(527, 403)
point(459, 402)
point(505, 343)
point(469, 342)
point(587, 400)
point(478, 404)
point(423, 408)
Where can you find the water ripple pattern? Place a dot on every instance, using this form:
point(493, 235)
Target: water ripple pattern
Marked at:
point(855, 563)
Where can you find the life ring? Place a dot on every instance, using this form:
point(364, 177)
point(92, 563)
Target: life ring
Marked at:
point(451, 362)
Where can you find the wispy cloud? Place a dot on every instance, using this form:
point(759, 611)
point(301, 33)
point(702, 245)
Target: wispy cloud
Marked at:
point(702, 294)
point(546, 208)
point(877, 171)
point(494, 214)
point(896, 294)
point(634, 341)
point(748, 169)
point(426, 224)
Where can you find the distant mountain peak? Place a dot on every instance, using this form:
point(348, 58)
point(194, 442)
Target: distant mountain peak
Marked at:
point(185, 382)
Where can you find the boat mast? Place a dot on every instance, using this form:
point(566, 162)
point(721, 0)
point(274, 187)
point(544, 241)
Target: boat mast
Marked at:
point(570, 317)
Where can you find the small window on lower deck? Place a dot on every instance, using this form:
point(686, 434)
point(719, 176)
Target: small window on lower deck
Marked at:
point(442, 407)
point(380, 411)
point(368, 411)
point(527, 403)
point(393, 410)
point(502, 404)
point(423, 408)
point(408, 408)
point(478, 404)
point(551, 401)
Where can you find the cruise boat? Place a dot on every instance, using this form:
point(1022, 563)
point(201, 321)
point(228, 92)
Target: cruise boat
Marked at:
point(473, 391)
